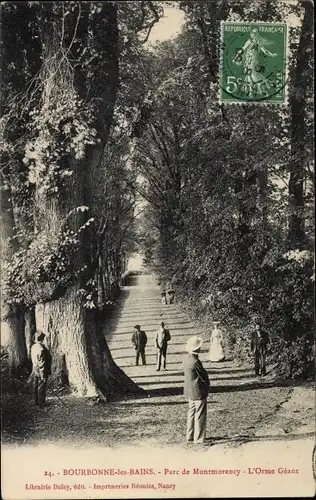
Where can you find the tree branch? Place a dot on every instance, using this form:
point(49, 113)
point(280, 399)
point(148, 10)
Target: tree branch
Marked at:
point(153, 22)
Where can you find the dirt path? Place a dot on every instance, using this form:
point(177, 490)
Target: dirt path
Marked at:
point(241, 407)
point(245, 415)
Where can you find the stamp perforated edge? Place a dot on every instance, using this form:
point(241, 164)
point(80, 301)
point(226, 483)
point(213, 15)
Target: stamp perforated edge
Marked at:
point(287, 60)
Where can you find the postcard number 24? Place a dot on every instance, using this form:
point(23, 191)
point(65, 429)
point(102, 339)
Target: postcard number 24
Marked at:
point(48, 473)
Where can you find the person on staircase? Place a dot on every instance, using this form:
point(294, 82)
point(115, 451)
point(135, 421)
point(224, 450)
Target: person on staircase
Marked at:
point(171, 294)
point(164, 297)
point(139, 340)
point(216, 351)
point(161, 341)
point(259, 346)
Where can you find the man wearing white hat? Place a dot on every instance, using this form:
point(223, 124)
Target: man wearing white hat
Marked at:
point(196, 389)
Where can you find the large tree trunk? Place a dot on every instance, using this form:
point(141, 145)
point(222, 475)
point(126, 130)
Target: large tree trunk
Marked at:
point(302, 80)
point(12, 314)
point(13, 337)
point(81, 357)
point(64, 323)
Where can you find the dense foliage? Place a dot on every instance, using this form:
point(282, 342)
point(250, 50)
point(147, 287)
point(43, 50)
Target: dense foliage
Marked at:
point(229, 222)
point(68, 107)
point(93, 121)
point(55, 61)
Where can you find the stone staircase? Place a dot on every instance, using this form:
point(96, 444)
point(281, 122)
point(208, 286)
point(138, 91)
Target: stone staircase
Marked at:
point(140, 303)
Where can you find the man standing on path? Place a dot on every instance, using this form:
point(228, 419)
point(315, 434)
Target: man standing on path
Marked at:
point(259, 346)
point(41, 360)
point(139, 340)
point(171, 294)
point(196, 389)
point(161, 340)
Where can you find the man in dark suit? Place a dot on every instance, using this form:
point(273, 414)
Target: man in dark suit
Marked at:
point(41, 360)
point(139, 340)
point(259, 346)
point(161, 340)
point(171, 294)
point(196, 389)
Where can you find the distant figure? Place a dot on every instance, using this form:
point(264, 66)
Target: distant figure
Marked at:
point(139, 340)
point(196, 389)
point(163, 297)
point(42, 361)
point(216, 352)
point(161, 340)
point(171, 294)
point(259, 345)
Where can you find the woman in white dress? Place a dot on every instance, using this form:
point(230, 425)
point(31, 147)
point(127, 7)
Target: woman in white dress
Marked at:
point(216, 352)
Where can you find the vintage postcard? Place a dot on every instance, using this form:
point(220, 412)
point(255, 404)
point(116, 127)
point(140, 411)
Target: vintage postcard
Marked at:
point(157, 249)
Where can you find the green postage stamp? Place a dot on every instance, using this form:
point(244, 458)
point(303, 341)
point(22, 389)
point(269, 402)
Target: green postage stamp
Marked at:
point(253, 62)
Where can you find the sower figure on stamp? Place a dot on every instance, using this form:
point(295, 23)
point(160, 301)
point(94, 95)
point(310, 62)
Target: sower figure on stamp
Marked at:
point(42, 361)
point(249, 55)
point(196, 389)
point(161, 340)
point(259, 345)
point(139, 340)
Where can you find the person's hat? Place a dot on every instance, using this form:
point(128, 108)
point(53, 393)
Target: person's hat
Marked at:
point(39, 336)
point(193, 344)
point(137, 327)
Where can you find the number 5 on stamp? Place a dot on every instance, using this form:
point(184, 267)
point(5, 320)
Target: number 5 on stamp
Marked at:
point(253, 63)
